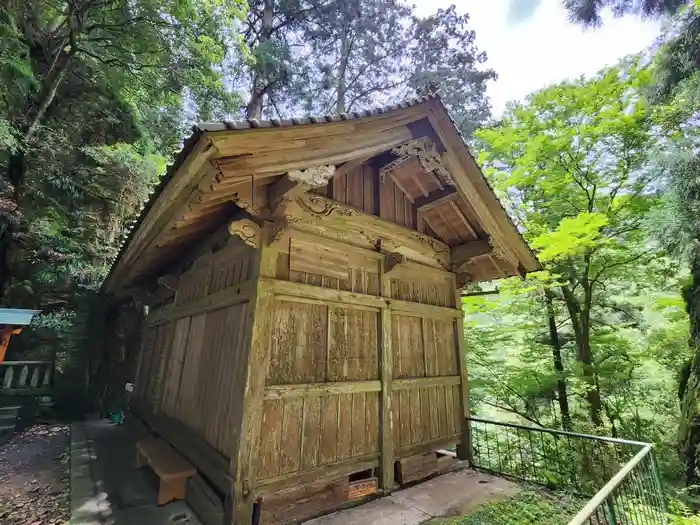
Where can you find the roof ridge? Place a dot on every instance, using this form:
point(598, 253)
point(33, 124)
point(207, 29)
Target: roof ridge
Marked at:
point(228, 125)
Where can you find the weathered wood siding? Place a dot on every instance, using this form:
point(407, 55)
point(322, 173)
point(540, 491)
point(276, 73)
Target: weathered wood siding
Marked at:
point(361, 188)
point(318, 343)
point(323, 392)
point(191, 366)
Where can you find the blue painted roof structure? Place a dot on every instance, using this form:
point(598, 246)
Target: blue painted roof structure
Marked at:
point(16, 317)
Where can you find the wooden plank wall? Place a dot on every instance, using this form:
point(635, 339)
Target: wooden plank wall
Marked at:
point(362, 189)
point(323, 389)
point(190, 367)
point(320, 344)
point(424, 412)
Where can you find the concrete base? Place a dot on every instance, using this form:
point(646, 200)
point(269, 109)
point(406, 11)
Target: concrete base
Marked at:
point(452, 494)
point(107, 489)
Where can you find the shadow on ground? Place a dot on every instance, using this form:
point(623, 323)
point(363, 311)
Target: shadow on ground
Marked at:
point(107, 489)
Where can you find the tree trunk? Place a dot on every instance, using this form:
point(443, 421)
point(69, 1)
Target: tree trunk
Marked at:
point(562, 396)
point(16, 164)
point(580, 322)
point(259, 87)
point(689, 390)
point(342, 82)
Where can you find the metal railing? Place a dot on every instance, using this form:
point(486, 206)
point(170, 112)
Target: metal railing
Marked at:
point(619, 475)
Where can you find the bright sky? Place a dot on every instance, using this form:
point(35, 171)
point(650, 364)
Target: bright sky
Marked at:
point(531, 43)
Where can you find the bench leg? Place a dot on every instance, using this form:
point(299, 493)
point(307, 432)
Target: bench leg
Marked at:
point(171, 489)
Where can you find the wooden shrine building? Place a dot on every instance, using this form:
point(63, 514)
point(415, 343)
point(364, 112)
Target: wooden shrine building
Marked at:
point(302, 280)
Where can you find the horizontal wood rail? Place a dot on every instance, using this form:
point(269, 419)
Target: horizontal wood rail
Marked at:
point(26, 377)
point(321, 389)
point(424, 382)
point(340, 468)
point(308, 291)
point(238, 293)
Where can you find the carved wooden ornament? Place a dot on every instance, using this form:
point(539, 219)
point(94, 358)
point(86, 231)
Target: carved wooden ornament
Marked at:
point(247, 230)
point(323, 207)
point(313, 177)
point(424, 149)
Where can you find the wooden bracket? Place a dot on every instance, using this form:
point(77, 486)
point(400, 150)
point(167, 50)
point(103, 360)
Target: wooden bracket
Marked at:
point(425, 150)
point(248, 230)
point(169, 281)
point(463, 279)
point(392, 260)
point(466, 252)
point(295, 184)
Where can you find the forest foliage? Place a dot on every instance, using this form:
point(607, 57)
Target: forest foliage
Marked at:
point(599, 172)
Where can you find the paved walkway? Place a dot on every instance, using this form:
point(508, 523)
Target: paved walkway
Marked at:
point(106, 489)
point(451, 494)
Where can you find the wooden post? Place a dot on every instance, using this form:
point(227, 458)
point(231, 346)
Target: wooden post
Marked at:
point(242, 464)
point(464, 449)
point(386, 429)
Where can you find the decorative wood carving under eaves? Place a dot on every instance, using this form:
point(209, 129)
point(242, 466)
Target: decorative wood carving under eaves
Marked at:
point(247, 230)
point(322, 207)
point(314, 177)
point(430, 159)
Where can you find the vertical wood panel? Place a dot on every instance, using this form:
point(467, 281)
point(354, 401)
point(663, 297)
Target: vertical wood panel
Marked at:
point(355, 188)
point(386, 199)
point(290, 443)
point(298, 351)
point(174, 367)
point(329, 429)
point(344, 426)
point(270, 435)
point(415, 415)
point(404, 403)
point(434, 413)
point(359, 431)
point(187, 411)
point(372, 422)
point(369, 177)
point(311, 433)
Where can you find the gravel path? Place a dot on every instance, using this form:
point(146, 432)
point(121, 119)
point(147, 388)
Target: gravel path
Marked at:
point(34, 477)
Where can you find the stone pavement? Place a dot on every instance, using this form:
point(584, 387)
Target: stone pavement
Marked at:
point(452, 494)
point(106, 489)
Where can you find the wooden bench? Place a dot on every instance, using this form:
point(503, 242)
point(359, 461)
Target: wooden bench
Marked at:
point(172, 469)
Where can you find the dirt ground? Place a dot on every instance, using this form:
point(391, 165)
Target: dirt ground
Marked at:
point(34, 477)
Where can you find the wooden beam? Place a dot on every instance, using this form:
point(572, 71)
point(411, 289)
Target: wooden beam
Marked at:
point(188, 177)
point(470, 250)
point(295, 184)
point(425, 382)
point(462, 218)
point(334, 470)
point(474, 188)
point(239, 293)
point(400, 185)
point(435, 198)
point(386, 426)
point(256, 360)
point(428, 446)
point(321, 389)
point(464, 449)
point(417, 182)
point(290, 289)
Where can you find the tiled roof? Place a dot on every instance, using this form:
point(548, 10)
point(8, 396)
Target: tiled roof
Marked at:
point(230, 125)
